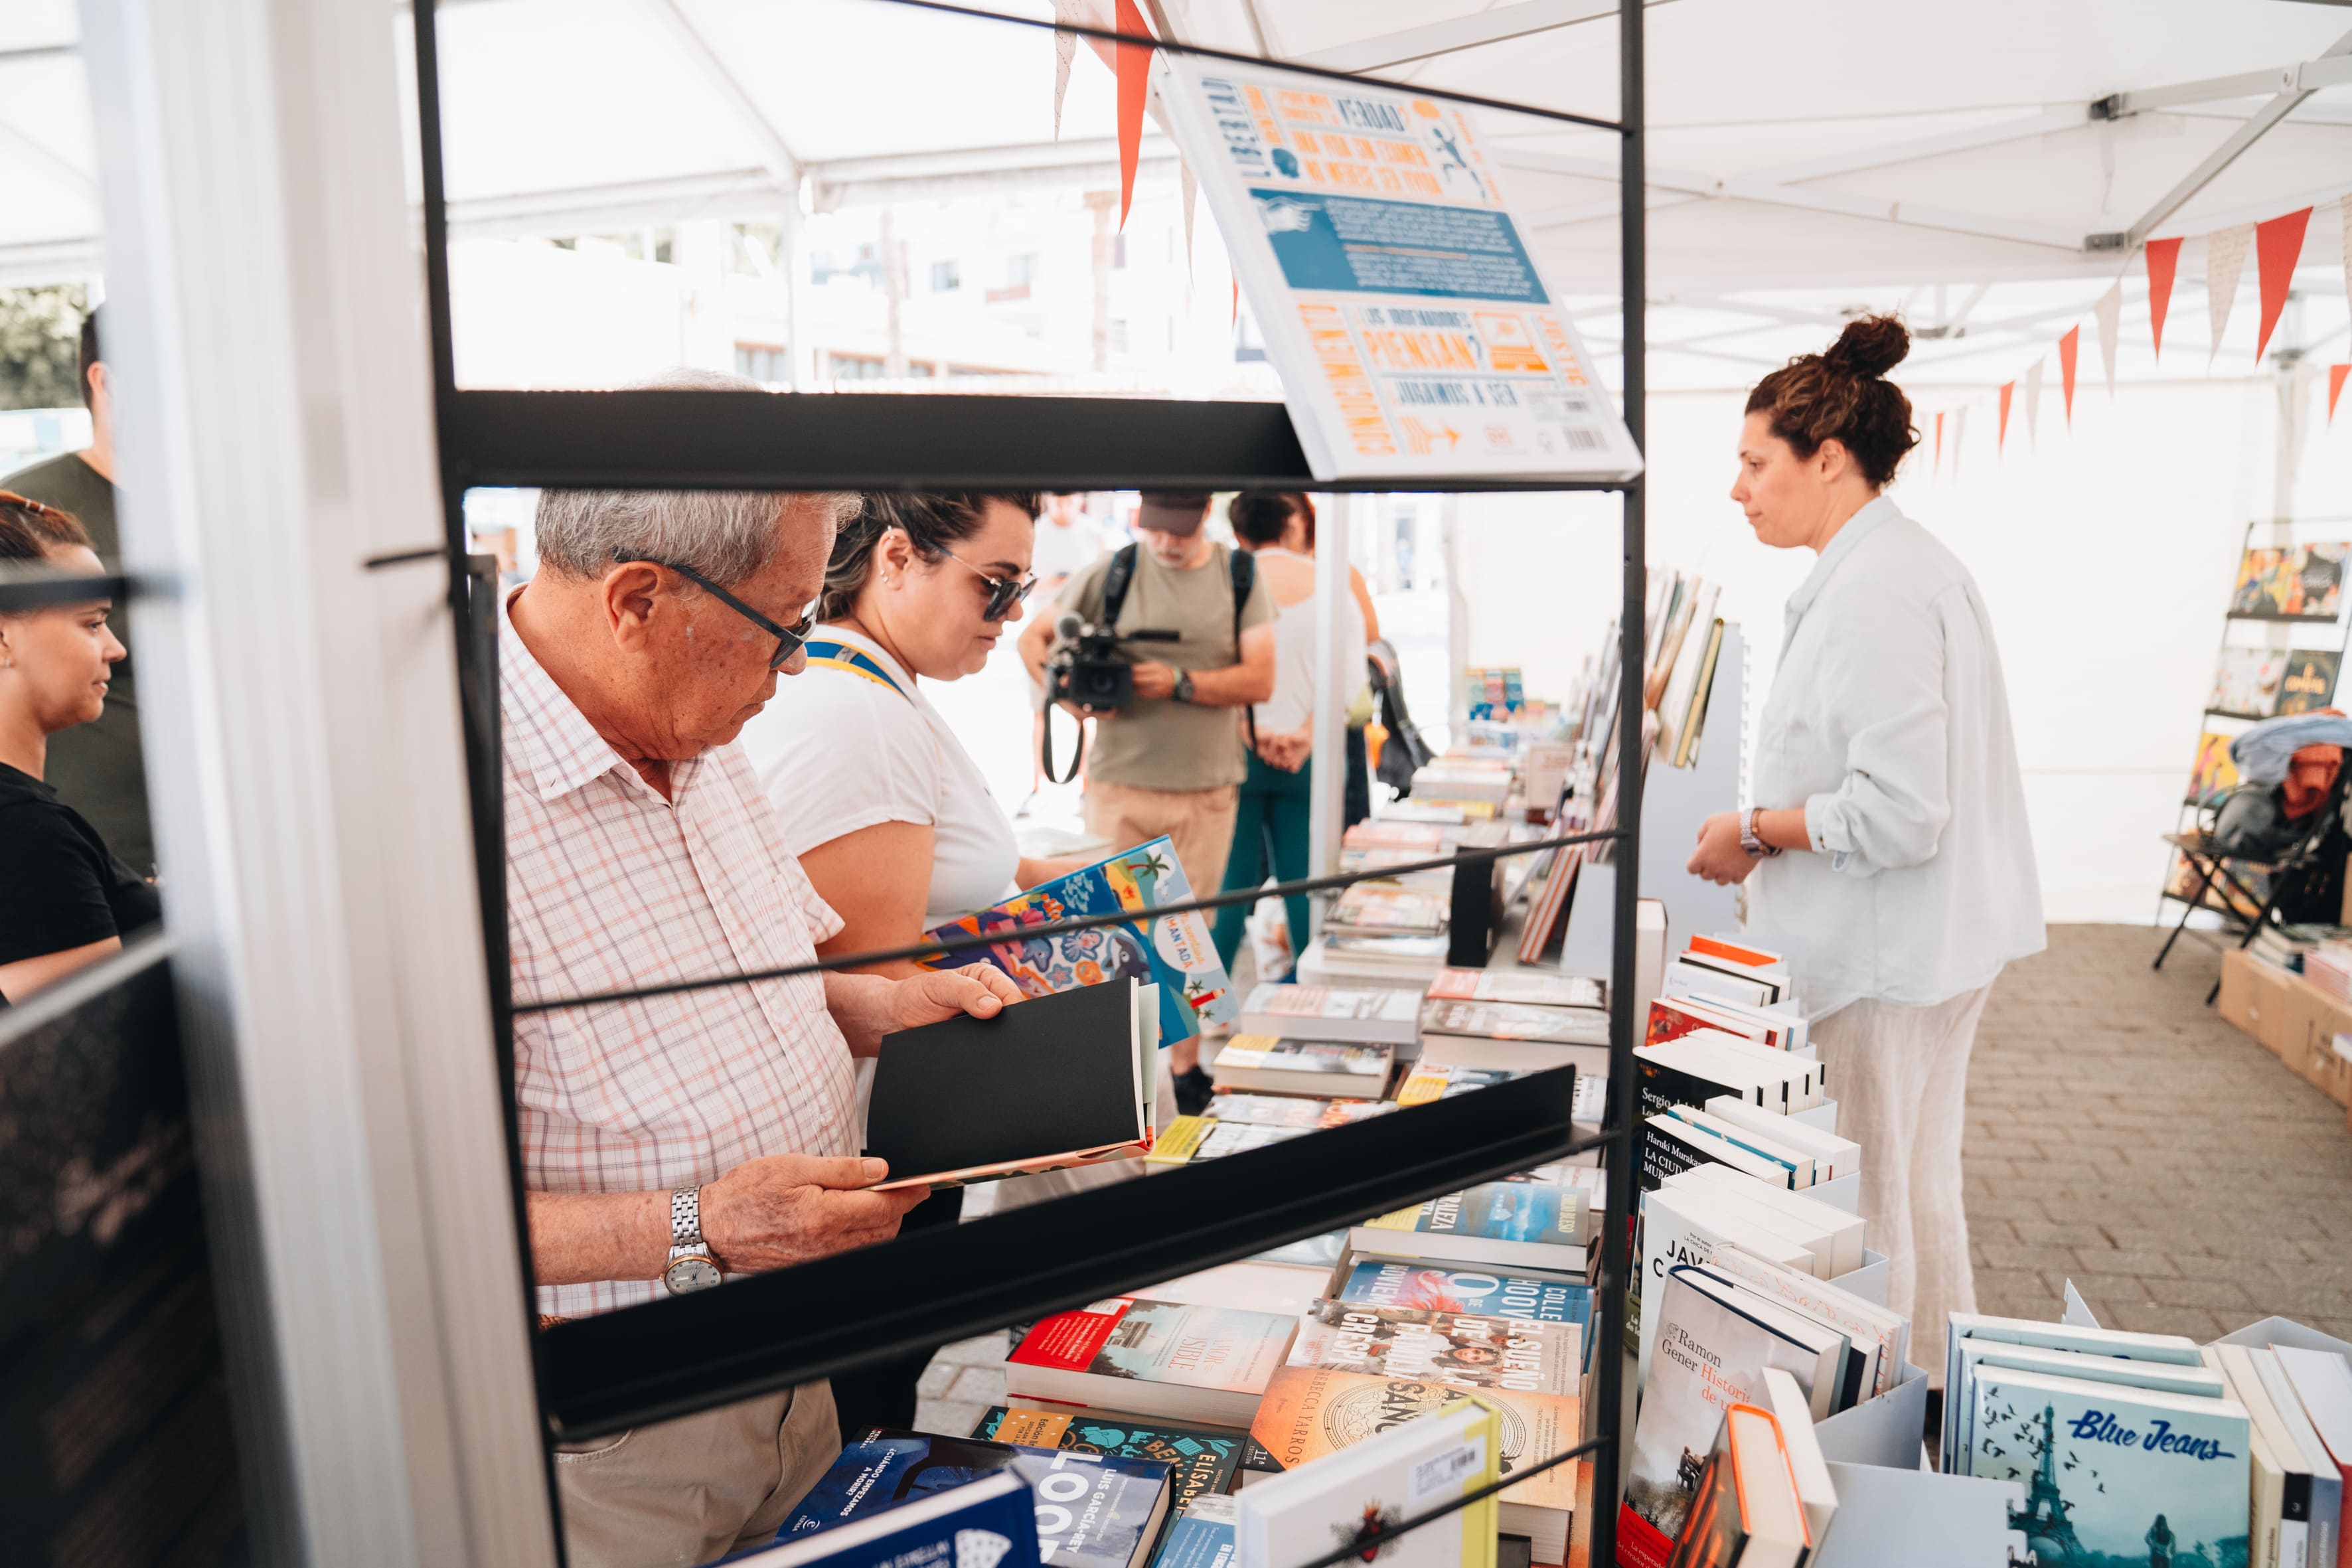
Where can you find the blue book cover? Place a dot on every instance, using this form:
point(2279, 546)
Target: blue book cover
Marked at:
point(1093, 1511)
point(1196, 1540)
point(987, 1523)
point(1173, 952)
point(1496, 1211)
point(2114, 1475)
point(1472, 1292)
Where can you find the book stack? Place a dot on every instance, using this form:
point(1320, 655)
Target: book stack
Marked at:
point(1387, 909)
point(2328, 965)
point(1317, 1069)
point(2285, 947)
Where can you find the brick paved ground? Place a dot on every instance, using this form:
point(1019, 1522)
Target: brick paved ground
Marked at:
point(2120, 1134)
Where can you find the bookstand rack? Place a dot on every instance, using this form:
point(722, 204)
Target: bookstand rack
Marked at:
point(605, 1374)
point(2276, 635)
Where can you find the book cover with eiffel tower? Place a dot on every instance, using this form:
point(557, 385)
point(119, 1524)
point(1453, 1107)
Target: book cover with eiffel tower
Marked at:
point(2116, 1477)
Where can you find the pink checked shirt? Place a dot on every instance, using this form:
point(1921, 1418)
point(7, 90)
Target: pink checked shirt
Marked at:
point(609, 886)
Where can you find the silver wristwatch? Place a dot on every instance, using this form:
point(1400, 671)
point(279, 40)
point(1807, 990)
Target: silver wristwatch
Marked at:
point(1749, 841)
point(691, 1267)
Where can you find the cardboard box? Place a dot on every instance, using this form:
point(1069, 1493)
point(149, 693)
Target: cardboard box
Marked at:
point(2330, 1067)
point(2254, 996)
point(2303, 1019)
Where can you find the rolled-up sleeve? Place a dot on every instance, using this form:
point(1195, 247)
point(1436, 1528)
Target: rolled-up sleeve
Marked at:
point(1887, 687)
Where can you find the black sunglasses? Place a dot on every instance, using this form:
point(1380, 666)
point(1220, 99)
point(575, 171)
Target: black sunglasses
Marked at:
point(1004, 593)
point(788, 638)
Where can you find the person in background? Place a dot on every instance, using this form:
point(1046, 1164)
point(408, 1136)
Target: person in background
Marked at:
point(886, 812)
point(1889, 846)
point(671, 1141)
point(1171, 762)
point(1276, 798)
point(1300, 537)
point(65, 901)
point(1069, 542)
point(99, 768)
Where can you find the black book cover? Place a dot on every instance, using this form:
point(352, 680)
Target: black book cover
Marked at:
point(2309, 683)
point(1659, 1087)
point(1048, 1076)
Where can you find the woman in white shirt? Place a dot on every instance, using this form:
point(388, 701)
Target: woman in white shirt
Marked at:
point(1271, 821)
point(886, 812)
point(1890, 847)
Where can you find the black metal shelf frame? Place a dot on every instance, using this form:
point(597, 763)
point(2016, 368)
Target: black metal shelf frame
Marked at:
point(606, 1374)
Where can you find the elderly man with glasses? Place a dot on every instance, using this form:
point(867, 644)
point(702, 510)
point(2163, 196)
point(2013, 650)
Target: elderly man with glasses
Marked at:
point(669, 1141)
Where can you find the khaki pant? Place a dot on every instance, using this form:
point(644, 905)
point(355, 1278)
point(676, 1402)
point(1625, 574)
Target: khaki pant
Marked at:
point(690, 1490)
point(1199, 822)
point(1900, 1076)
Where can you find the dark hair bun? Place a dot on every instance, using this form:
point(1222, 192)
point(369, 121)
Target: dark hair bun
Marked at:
point(1870, 346)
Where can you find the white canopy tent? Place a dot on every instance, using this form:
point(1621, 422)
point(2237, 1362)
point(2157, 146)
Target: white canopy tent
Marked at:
point(1991, 172)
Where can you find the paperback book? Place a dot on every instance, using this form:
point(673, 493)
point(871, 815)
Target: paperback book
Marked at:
point(988, 1523)
point(1459, 1349)
point(1523, 990)
point(1091, 1511)
point(1190, 1139)
point(1394, 1469)
point(1363, 1017)
point(1505, 1224)
point(1318, 1067)
point(2246, 683)
point(1292, 1110)
point(1201, 1461)
point(1168, 1359)
point(1391, 1283)
point(1515, 1021)
point(2308, 681)
point(1173, 952)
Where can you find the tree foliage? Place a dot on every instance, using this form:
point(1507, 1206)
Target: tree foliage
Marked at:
point(40, 337)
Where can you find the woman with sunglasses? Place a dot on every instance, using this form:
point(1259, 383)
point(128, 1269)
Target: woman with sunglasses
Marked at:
point(65, 901)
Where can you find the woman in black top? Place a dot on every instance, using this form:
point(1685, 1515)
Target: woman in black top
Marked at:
point(65, 902)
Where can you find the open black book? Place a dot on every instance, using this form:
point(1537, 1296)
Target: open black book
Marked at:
point(1054, 1081)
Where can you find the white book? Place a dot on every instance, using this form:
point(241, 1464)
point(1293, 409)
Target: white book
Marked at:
point(1372, 1015)
point(1815, 1489)
point(2165, 1377)
point(1671, 1140)
point(1685, 978)
point(1833, 1157)
point(1798, 1079)
point(1863, 1320)
point(1758, 1141)
point(1682, 1225)
point(2301, 1494)
point(1962, 1326)
point(2328, 1493)
point(1847, 1232)
point(1825, 1378)
point(1406, 1469)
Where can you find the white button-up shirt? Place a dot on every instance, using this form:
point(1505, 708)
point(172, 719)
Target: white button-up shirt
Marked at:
point(610, 886)
point(1888, 723)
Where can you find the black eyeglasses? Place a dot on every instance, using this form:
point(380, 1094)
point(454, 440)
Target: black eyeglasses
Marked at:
point(1004, 593)
point(788, 638)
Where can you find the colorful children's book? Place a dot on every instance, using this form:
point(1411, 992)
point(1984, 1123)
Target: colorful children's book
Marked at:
point(1173, 951)
point(1203, 1459)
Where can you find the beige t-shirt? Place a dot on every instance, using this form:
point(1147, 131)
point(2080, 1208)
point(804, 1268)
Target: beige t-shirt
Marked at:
point(1160, 742)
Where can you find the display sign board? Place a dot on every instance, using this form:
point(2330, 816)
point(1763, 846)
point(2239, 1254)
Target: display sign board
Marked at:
point(115, 1444)
point(1410, 324)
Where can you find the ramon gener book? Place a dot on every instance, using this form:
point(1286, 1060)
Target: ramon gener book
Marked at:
point(1173, 951)
point(1091, 1511)
point(2114, 1475)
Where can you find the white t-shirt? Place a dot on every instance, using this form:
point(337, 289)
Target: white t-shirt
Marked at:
point(1292, 706)
point(1060, 551)
point(837, 750)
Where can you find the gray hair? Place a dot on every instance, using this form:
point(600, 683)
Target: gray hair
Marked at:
point(725, 535)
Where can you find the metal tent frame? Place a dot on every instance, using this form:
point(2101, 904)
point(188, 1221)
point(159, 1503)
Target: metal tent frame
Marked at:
point(603, 1375)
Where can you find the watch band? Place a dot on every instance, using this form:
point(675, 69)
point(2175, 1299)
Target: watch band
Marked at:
point(1749, 838)
point(1183, 688)
point(686, 1217)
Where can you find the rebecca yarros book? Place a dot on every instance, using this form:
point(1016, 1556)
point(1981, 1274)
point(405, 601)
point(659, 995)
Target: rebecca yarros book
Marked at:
point(988, 1522)
point(1203, 1460)
point(1173, 952)
point(1169, 1359)
point(1313, 1411)
point(1383, 1470)
point(1462, 1349)
point(2114, 1474)
point(1091, 1511)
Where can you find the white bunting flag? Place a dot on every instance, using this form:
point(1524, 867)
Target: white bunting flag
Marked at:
point(2109, 310)
point(2033, 403)
point(1069, 13)
point(2348, 250)
point(1959, 428)
point(2225, 263)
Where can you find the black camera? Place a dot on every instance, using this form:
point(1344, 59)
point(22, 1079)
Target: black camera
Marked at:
point(1084, 668)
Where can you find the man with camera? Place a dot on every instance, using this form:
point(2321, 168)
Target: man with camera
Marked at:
point(1163, 642)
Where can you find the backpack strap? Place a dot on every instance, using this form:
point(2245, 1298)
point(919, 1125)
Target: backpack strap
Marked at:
point(854, 662)
point(1116, 580)
point(1243, 566)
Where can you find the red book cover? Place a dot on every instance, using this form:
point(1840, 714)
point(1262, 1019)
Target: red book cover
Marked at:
point(1070, 1341)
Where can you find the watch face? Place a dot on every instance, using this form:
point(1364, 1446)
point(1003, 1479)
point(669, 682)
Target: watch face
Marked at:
point(690, 1274)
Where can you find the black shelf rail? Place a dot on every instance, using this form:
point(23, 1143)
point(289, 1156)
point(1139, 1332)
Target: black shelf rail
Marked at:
point(601, 1374)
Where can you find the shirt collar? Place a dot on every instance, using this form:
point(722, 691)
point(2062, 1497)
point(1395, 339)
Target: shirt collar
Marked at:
point(562, 750)
point(1860, 526)
point(868, 647)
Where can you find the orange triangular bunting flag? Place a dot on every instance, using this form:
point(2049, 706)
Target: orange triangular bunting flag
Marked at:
point(1939, 441)
point(1133, 66)
point(2163, 260)
point(2001, 434)
point(2335, 375)
point(2068, 346)
point(2277, 243)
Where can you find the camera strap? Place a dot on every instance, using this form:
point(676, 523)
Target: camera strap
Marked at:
point(1240, 563)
